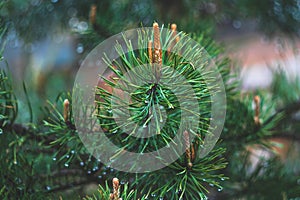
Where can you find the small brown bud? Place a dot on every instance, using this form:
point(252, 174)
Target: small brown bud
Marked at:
point(93, 13)
point(173, 27)
point(150, 51)
point(192, 153)
point(172, 44)
point(256, 100)
point(111, 196)
point(157, 46)
point(187, 148)
point(116, 191)
point(66, 110)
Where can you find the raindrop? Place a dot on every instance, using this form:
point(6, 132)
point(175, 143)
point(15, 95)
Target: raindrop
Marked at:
point(220, 189)
point(66, 165)
point(54, 159)
point(1, 131)
point(15, 162)
point(73, 22)
point(72, 152)
point(222, 179)
point(83, 26)
point(35, 2)
point(72, 12)
point(48, 187)
point(237, 24)
point(95, 168)
point(54, 1)
point(204, 179)
point(79, 48)
point(115, 131)
point(81, 163)
point(50, 7)
point(67, 156)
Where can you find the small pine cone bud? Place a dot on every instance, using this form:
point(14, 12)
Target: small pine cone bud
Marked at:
point(116, 188)
point(173, 27)
point(150, 51)
point(66, 110)
point(172, 44)
point(93, 13)
point(116, 183)
point(111, 196)
point(157, 46)
point(187, 148)
point(256, 100)
point(192, 153)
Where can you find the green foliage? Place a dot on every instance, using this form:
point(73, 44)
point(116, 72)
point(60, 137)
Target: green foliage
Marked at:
point(125, 194)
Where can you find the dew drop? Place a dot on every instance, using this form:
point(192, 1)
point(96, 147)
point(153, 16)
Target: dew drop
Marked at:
point(82, 26)
point(153, 195)
point(54, 1)
point(73, 22)
point(122, 182)
point(48, 187)
point(100, 177)
point(72, 152)
point(212, 185)
point(79, 48)
point(50, 7)
point(67, 156)
point(66, 164)
point(222, 179)
point(161, 198)
point(146, 101)
point(103, 173)
point(95, 168)
point(15, 162)
point(204, 179)
point(115, 131)
point(237, 24)
point(1, 131)
point(144, 126)
point(89, 172)
point(220, 189)
point(54, 159)
point(81, 163)
point(72, 12)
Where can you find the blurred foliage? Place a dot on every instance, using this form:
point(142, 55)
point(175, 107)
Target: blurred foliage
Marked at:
point(44, 18)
